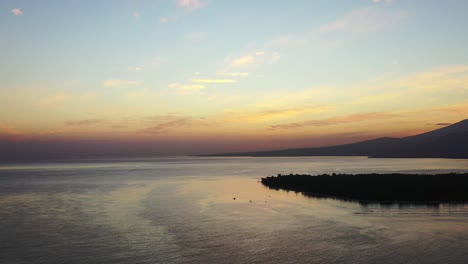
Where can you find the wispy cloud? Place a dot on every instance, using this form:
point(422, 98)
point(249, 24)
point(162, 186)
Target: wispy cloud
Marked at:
point(163, 126)
point(118, 82)
point(460, 109)
point(213, 81)
point(168, 19)
point(148, 64)
point(87, 97)
point(275, 56)
point(11, 133)
point(241, 61)
point(255, 116)
point(197, 84)
point(162, 123)
point(235, 74)
point(8, 129)
point(16, 12)
point(359, 21)
point(256, 58)
point(134, 68)
point(372, 116)
point(429, 86)
point(382, 1)
point(364, 20)
point(197, 36)
point(84, 122)
point(441, 79)
point(52, 131)
point(56, 99)
point(190, 5)
point(377, 98)
point(190, 87)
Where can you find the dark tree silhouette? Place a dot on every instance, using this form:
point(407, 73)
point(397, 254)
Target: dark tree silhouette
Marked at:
point(450, 187)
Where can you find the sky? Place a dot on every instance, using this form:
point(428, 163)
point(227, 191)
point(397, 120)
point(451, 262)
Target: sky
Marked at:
point(178, 77)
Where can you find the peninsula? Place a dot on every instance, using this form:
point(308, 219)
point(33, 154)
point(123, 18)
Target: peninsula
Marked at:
point(418, 188)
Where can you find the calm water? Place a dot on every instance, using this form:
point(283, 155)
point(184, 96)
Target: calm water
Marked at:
point(181, 210)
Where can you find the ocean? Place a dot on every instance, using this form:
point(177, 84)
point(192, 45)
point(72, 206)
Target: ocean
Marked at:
point(215, 210)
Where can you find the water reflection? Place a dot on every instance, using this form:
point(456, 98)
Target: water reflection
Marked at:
point(183, 211)
point(384, 204)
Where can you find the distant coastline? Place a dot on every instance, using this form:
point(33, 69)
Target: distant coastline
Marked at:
point(447, 142)
point(385, 188)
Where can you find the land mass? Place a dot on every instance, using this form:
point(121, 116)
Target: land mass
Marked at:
point(438, 188)
point(447, 142)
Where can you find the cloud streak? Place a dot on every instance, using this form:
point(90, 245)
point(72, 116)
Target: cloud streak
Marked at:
point(17, 12)
point(372, 116)
point(235, 64)
point(7, 129)
point(163, 123)
point(382, 1)
point(287, 113)
point(363, 20)
point(241, 61)
point(197, 36)
point(360, 21)
point(189, 87)
point(443, 124)
point(118, 82)
point(236, 74)
point(168, 19)
point(56, 99)
point(190, 5)
point(213, 81)
point(84, 122)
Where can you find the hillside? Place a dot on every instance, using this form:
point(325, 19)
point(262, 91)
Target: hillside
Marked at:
point(446, 142)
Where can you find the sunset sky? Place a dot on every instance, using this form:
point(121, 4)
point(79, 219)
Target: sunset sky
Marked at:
point(175, 77)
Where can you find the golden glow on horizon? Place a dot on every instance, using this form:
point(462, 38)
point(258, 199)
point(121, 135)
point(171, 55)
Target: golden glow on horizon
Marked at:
point(400, 111)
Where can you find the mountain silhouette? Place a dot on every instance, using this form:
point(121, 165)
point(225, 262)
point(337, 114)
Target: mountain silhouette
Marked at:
point(447, 142)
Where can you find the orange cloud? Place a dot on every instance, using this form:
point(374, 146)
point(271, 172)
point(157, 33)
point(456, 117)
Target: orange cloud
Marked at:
point(269, 115)
point(6, 129)
point(11, 133)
